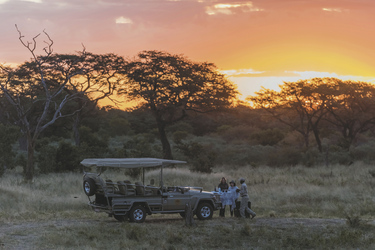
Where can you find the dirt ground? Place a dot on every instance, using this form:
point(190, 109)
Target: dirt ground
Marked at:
point(26, 235)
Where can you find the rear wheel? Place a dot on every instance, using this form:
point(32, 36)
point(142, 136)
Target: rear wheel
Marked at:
point(89, 187)
point(204, 211)
point(137, 214)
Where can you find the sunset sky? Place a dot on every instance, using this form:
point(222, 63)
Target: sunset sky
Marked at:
point(256, 43)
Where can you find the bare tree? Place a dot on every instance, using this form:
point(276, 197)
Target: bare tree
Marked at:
point(99, 82)
point(36, 91)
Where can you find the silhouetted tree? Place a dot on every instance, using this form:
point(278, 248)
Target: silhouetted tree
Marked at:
point(300, 105)
point(171, 85)
point(351, 107)
point(37, 91)
point(95, 84)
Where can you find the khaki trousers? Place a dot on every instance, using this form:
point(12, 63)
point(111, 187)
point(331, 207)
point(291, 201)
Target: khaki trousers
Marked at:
point(243, 207)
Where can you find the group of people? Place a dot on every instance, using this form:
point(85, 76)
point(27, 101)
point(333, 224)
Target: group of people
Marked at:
point(240, 192)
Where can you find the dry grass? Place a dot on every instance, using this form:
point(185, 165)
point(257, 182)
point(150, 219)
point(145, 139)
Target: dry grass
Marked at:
point(56, 205)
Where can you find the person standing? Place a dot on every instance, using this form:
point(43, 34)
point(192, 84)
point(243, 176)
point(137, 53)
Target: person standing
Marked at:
point(234, 195)
point(245, 200)
point(223, 186)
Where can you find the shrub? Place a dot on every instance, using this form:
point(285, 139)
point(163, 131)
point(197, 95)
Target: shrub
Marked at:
point(201, 157)
point(283, 156)
point(92, 145)
point(236, 133)
point(364, 152)
point(46, 158)
point(8, 135)
point(67, 157)
point(178, 136)
point(141, 146)
point(119, 126)
point(181, 126)
point(268, 137)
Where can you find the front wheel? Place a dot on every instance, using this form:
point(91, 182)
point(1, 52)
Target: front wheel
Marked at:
point(137, 214)
point(205, 211)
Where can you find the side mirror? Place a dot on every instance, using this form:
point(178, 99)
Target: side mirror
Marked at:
point(152, 182)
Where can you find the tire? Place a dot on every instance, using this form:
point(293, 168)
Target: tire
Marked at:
point(204, 211)
point(89, 187)
point(120, 218)
point(137, 214)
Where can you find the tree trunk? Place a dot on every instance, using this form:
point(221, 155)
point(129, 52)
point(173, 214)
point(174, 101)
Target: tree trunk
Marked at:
point(29, 170)
point(77, 121)
point(306, 139)
point(318, 141)
point(167, 152)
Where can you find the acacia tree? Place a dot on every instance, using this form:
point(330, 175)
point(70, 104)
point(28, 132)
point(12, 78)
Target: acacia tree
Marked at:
point(171, 85)
point(36, 91)
point(97, 83)
point(351, 107)
point(300, 105)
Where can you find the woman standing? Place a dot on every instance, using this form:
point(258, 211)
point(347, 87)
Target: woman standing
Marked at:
point(232, 189)
point(223, 186)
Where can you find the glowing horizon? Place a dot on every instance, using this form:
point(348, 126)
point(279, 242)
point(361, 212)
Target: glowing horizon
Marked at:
point(256, 43)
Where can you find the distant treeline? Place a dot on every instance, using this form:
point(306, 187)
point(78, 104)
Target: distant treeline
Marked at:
point(50, 119)
point(235, 136)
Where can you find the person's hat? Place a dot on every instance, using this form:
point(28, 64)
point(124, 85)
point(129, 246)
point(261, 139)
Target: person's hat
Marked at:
point(232, 181)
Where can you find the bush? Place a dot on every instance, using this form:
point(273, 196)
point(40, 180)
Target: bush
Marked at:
point(92, 145)
point(141, 146)
point(8, 135)
point(46, 158)
point(119, 126)
point(52, 158)
point(67, 157)
point(285, 156)
point(237, 133)
point(200, 156)
point(178, 136)
point(364, 152)
point(268, 137)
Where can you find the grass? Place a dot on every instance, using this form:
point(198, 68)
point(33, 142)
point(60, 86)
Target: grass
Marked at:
point(52, 212)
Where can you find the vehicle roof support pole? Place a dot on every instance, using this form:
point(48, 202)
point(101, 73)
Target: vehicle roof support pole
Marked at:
point(161, 177)
point(143, 170)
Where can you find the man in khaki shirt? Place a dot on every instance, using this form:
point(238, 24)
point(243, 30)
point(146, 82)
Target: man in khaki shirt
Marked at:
point(244, 200)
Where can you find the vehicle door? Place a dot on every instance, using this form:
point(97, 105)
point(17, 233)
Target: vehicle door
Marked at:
point(175, 199)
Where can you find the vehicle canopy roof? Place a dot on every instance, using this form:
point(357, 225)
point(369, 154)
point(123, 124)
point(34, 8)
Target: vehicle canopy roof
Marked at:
point(128, 162)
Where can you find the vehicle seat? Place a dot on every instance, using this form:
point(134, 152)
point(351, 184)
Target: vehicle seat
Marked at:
point(130, 186)
point(139, 188)
point(152, 189)
point(123, 188)
point(110, 185)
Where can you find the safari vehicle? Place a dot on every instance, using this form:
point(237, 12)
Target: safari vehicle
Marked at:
point(125, 200)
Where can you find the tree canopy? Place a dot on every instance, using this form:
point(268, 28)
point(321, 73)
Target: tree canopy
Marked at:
point(304, 104)
point(171, 85)
point(38, 91)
